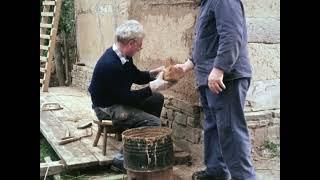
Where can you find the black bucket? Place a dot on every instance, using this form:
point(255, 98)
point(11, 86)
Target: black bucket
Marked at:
point(147, 149)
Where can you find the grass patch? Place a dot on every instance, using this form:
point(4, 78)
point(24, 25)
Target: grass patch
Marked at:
point(75, 175)
point(46, 150)
point(273, 148)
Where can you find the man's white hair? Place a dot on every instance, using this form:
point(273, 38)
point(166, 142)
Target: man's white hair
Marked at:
point(129, 30)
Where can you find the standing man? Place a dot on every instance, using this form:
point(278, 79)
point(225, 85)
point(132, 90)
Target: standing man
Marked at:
point(113, 76)
point(223, 74)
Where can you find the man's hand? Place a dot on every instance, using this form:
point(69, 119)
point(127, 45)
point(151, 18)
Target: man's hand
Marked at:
point(215, 81)
point(187, 66)
point(156, 71)
point(159, 84)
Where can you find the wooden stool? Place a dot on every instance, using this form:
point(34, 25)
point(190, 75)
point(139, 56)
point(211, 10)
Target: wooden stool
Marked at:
point(106, 126)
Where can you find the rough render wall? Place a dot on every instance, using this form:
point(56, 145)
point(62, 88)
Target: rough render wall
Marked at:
point(94, 24)
point(263, 21)
point(120, 11)
point(169, 26)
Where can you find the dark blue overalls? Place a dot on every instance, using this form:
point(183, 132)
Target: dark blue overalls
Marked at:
point(221, 42)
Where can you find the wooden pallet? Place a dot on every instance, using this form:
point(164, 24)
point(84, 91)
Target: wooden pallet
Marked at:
point(48, 31)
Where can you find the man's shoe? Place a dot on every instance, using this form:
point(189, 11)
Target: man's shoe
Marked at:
point(203, 175)
point(117, 166)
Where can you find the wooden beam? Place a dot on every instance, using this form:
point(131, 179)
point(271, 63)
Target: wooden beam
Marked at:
point(48, 160)
point(44, 36)
point(117, 177)
point(55, 167)
point(103, 122)
point(42, 70)
point(48, 3)
point(47, 14)
point(44, 47)
point(44, 25)
point(43, 59)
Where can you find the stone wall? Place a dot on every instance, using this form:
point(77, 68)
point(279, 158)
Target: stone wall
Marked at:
point(187, 123)
point(264, 125)
point(81, 77)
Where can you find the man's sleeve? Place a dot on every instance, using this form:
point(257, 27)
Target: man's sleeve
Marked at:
point(229, 22)
point(133, 97)
point(122, 95)
point(141, 77)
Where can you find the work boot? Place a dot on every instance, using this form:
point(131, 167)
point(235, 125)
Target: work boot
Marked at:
point(203, 175)
point(117, 166)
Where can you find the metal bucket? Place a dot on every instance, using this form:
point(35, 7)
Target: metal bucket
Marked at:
point(148, 149)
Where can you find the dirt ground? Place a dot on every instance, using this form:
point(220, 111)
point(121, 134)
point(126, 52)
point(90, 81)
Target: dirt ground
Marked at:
point(267, 166)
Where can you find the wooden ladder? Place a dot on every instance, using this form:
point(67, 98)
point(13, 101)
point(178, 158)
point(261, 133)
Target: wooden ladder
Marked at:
point(48, 31)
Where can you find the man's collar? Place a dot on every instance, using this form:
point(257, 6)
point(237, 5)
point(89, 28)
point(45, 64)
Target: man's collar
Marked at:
point(123, 59)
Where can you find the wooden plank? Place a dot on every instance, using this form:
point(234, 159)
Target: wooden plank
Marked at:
point(44, 25)
point(76, 101)
point(52, 171)
point(70, 106)
point(42, 70)
point(48, 3)
point(55, 167)
point(44, 36)
point(47, 14)
point(88, 141)
point(75, 154)
point(43, 59)
point(117, 177)
point(73, 99)
point(46, 77)
point(44, 47)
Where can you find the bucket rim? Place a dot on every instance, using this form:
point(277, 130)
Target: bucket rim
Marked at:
point(167, 132)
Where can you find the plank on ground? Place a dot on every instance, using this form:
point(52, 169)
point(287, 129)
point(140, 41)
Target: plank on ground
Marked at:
point(75, 154)
point(66, 114)
point(55, 167)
